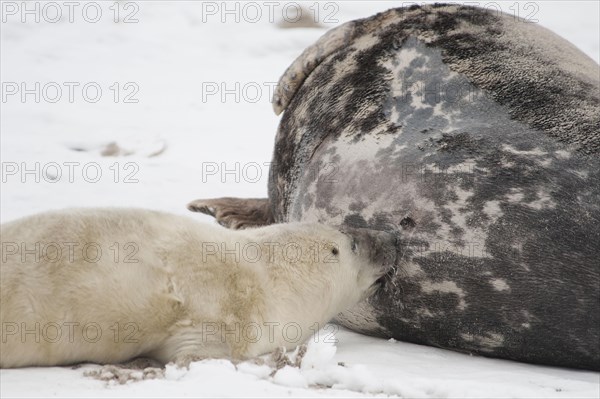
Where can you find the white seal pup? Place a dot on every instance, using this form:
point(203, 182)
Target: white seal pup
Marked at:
point(110, 285)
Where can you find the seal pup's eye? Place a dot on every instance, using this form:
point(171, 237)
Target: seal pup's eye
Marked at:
point(334, 251)
point(354, 245)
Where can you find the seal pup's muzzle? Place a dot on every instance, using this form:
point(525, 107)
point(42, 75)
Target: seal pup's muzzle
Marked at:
point(380, 248)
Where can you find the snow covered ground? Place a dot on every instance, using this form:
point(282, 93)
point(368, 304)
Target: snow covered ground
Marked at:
point(183, 90)
point(371, 367)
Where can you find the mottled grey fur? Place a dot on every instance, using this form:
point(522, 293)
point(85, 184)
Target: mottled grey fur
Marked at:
point(475, 136)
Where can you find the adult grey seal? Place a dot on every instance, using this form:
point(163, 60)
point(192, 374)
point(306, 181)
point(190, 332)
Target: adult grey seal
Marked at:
point(475, 136)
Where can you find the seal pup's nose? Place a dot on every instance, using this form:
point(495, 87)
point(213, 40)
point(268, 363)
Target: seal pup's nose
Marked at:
point(379, 247)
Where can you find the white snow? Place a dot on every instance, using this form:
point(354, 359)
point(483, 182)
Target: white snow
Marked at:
point(371, 367)
point(179, 142)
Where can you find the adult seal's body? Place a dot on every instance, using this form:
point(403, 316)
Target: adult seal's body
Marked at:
point(475, 136)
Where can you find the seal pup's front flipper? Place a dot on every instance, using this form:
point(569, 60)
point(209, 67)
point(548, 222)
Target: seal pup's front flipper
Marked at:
point(235, 213)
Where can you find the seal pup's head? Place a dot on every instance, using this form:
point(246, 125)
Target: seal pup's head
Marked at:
point(323, 270)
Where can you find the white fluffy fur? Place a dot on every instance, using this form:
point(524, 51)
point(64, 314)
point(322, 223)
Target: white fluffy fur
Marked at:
point(167, 304)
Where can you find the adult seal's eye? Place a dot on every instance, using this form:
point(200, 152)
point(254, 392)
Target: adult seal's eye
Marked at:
point(334, 251)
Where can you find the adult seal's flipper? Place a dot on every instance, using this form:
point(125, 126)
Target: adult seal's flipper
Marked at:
point(235, 213)
point(296, 73)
